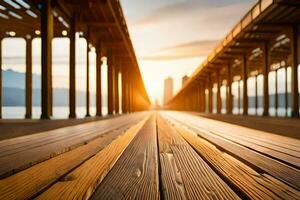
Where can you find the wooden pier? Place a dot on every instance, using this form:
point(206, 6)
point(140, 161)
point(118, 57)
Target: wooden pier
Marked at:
point(151, 155)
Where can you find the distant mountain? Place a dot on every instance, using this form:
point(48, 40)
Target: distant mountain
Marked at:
point(13, 79)
point(14, 91)
point(16, 97)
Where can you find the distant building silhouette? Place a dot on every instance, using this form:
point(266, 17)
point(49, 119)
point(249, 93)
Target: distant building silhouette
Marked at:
point(168, 89)
point(184, 79)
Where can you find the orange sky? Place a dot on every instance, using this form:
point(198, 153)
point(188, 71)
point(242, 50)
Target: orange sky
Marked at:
point(172, 37)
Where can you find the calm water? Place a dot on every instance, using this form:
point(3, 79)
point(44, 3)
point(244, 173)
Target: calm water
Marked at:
point(18, 112)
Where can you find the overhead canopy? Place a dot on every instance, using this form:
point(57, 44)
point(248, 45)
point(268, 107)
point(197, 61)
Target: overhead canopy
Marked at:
point(268, 20)
point(101, 22)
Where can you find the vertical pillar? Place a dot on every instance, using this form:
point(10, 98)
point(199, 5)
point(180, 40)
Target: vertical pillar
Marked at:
point(256, 96)
point(87, 79)
point(286, 93)
point(110, 87)
point(203, 97)
point(72, 81)
point(294, 65)
point(124, 90)
point(229, 90)
point(116, 86)
point(219, 103)
point(129, 96)
point(276, 92)
point(47, 35)
point(98, 80)
point(209, 94)
point(266, 79)
point(28, 82)
point(0, 78)
point(239, 96)
point(245, 88)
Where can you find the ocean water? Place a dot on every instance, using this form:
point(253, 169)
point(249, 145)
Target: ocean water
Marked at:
point(18, 112)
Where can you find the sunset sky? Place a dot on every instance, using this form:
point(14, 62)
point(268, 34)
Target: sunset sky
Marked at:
point(172, 37)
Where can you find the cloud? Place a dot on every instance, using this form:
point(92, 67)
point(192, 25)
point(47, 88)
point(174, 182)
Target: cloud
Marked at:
point(186, 50)
point(178, 9)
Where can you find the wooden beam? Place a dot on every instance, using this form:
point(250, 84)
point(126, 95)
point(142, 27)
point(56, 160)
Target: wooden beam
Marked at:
point(294, 66)
point(0, 77)
point(98, 80)
point(124, 90)
point(116, 88)
point(87, 79)
point(229, 90)
point(72, 81)
point(97, 24)
point(28, 82)
point(245, 88)
point(219, 100)
point(110, 86)
point(210, 103)
point(266, 78)
point(47, 35)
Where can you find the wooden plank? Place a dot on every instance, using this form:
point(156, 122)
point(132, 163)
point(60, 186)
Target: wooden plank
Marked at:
point(81, 182)
point(253, 184)
point(20, 153)
point(260, 162)
point(42, 175)
point(234, 133)
point(137, 168)
point(184, 174)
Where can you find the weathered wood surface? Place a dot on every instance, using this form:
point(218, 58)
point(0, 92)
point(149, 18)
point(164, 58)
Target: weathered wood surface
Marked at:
point(252, 184)
point(22, 152)
point(258, 161)
point(82, 181)
point(284, 149)
point(176, 156)
point(28, 183)
point(289, 127)
point(135, 175)
point(184, 174)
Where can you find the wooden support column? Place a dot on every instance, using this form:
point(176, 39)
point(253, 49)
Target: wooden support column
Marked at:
point(116, 88)
point(203, 97)
point(256, 95)
point(294, 67)
point(110, 86)
point(245, 88)
point(28, 81)
point(124, 90)
point(0, 77)
point(98, 80)
point(87, 79)
point(198, 98)
point(229, 90)
point(210, 95)
point(286, 92)
point(239, 97)
point(129, 95)
point(219, 101)
point(276, 92)
point(266, 78)
point(72, 81)
point(46, 35)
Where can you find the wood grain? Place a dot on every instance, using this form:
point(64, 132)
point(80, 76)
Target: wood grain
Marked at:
point(258, 161)
point(20, 153)
point(252, 183)
point(28, 183)
point(135, 175)
point(286, 150)
point(81, 182)
point(184, 174)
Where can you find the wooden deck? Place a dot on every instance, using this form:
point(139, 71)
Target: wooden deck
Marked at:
point(149, 155)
